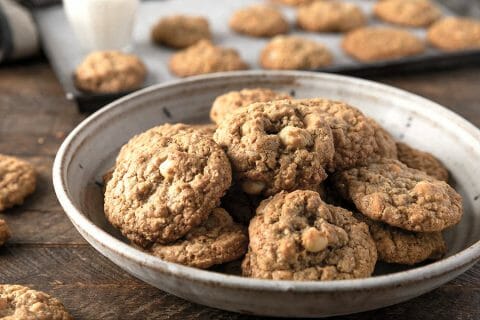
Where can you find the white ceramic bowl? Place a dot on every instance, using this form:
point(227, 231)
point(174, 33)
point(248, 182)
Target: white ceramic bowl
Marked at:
point(91, 148)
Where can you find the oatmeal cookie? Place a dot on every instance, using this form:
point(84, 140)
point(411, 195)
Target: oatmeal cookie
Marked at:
point(369, 44)
point(180, 31)
point(296, 236)
point(422, 161)
point(166, 186)
point(215, 241)
point(330, 16)
point(411, 13)
point(277, 145)
point(231, 101)
point(402, 197)
point(17, 180)
point(19, 302)
point(4, 232)
point(259, 21)
point(204, 57)
point(454, 33)
point(110, 72)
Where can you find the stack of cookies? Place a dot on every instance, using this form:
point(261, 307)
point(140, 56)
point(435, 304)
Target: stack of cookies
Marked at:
point(324, 191)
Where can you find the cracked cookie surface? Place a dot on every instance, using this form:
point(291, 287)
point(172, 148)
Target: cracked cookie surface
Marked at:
point(17, 181)
point(422, 161)
point(180, 31)
point(412, 13)
point(259, 21)
point(453, 33)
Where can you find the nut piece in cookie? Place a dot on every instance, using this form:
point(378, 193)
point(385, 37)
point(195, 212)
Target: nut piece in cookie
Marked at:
point(294, 53)
point(17, 180)
point(231, 101)
point(296, 236)
point(110, 72)
point(4, 233)
point(412, 13)
point(277, 145)
point(180, 31)
point(19, 302)
point(259, 21)
point(217, 240)
point(203, 57)
point(380, 43)
point(166, 185)
point(422, 161)
point(454, 33)
point(402, 197)
point(330, 16)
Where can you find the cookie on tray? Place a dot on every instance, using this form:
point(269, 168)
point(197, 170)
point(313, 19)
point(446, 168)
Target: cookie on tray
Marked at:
point(277, 145)
point(259, 21)
point(422, 161)
point(17, 180)
point(400, 196)
point(411, 13)
point(454, 33)
point(296, 236)
point(180, 31)
point(330, 16)
point(204, 57)
point(369, 44)
point(4, 232)
point(294, 53)
point(110, 72)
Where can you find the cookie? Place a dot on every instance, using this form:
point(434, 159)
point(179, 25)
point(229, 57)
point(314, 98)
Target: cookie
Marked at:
point(19, 302)
point(17, 180)
point(411, 13)
point(369, 44)
point(203, 57)
point(296, 236)
point(166, 186)
point(330, 16)
point(231, 101)
point(259, 21)
point(422, 161)
point(240, 204)
point(110, 72)
point(277, 145)
point(180, 31)
point(217, 240)
point(4, 232)
point(400, 196)
point(452, 34)
point(294, 53)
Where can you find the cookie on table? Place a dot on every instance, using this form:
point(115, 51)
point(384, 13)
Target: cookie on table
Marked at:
point(259, 21)
point(294, 53)
point(17, 180)
point(19, 302)
point(277, 145)
point(453, 33)
point(400, 196)
point(296, 236)
point(422, 161)
point(204, 57)
point(233, 100)
point(217, 240)
point(370, 44)
point(180, 31)
point(411, 13)
point(330, 16)
point(4, 233)
point(165, 185)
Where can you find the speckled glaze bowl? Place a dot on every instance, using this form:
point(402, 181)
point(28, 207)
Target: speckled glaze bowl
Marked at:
point(91, 148)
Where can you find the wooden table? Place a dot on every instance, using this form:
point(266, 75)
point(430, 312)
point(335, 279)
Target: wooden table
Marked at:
point(47, 253)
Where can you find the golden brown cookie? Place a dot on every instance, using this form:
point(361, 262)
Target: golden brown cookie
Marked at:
point(259, 21)
point(454, 33)
point(19, 302)
point(400, 196)
point(4, 232)
point(296, 236)
point(231, 101)
point(180, 31)
point(381, 43)
point(330, 16)
point(17, 181)
point(204, 57)
point(110, 72)
point(293, 52)
point(412, 13)
point(422, 161)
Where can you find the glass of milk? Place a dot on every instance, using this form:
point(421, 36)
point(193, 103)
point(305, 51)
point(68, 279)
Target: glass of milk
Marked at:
point(102, 24)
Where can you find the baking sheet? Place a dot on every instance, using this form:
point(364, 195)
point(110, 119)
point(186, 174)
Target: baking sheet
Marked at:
point(65, 54)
